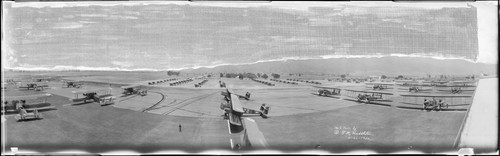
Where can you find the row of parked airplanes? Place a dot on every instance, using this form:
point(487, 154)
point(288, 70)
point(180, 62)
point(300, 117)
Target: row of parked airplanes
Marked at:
point(237, 116)
point(372, 96)
point(18, 104)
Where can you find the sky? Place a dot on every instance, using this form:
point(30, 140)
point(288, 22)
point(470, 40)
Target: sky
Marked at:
point(181, 35)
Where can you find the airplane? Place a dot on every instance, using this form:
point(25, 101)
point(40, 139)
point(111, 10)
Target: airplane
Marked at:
point(234, 110)
point(417, 88)
point(133, 89)
point(200, 83)
point(24, 115)
point(234, 106)
point(407, 83)
point(456, 90)
point(43, 79)
point(379, 86)
point(70, 83)
point(17, 102)
point(369, 97)
point(461, 84)
point(222, 84)
point(252, 137)
point(434, 83)
point(435, 102)
point(105, 99)
point(327, 92)
point(246, 97)
point(35, 86)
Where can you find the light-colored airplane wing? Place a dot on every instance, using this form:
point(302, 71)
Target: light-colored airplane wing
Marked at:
point(324, 87)
point(90, 90)
point(253, 135)
point(236, 104)
point(379, 83)
point(362, 91)
point(27, 97)
point(442, 96)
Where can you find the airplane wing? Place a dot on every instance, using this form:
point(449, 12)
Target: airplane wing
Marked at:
point(458, 86)
point(236, 104)
point(378, 83)
point(361, 91)
point(253, 136)
point(90, 90)
point(234, 119)
point(442, 96)
point(327, 87)
point(27, 97)
point(131, 86)
point(449, 90)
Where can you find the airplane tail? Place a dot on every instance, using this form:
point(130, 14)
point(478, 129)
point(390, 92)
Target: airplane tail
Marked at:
point(247, 95)
point(265, 112)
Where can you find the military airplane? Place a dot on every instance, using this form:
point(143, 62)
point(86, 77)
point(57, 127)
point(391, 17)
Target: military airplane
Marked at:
point(134, 89)
point(368, 97)
point(327, 92)
point(228, 91)
point(24, 115)
point(35, 102)
point(252, 137)
point(34, 85)
point(416, 89)
point(69, 83)
point(379, 85)
point(105, 97)
point(435, 102)
point(456, 90)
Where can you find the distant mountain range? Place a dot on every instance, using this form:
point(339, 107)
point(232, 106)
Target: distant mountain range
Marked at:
point(361, 66)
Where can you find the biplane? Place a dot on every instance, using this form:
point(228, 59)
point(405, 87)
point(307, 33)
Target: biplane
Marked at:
point(252, 137)
point(27, 102)
point(416, 89)
point(35, 86)
point(227, 92)
point(456, 90)
point(327, 92)
point(436, 102)
point(369, 97)
point(41, 79)
point(463, 84)
point(234, 111)
point(134, 89)
point(434, 83)
point(407, 83)
point(69, 84)
point(101, 96)
point(379, 86)
point(24, 115)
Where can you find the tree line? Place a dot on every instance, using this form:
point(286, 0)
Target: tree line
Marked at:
point(248, 75)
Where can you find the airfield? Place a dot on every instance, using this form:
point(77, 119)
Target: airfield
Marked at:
point(297, 120)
